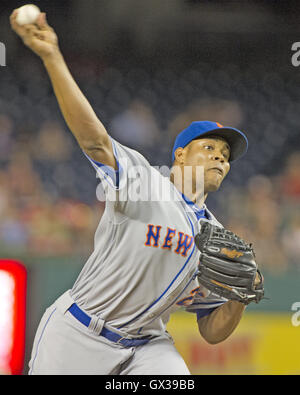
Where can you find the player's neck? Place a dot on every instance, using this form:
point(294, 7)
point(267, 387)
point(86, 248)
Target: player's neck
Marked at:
point(198, 197)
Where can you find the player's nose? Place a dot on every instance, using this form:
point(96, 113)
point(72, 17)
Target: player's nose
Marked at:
point(218, 156)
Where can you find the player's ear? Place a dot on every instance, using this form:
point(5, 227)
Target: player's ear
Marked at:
point(179, 155)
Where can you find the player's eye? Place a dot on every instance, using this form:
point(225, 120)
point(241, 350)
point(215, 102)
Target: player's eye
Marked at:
point(209, 147)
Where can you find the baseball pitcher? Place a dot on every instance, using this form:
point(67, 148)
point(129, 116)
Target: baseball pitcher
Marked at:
point(157, 247)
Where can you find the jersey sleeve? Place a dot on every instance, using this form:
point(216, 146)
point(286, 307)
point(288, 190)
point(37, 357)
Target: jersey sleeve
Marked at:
point(204, 305)
point(132, 169)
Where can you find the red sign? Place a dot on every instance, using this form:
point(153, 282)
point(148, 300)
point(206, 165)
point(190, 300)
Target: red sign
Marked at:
point(12, 316)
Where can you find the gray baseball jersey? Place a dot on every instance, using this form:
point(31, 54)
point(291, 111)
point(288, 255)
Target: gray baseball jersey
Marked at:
point(144, 262)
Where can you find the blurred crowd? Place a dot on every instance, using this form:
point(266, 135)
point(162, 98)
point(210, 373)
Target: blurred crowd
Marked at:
point(267, 213)
point(48, 203)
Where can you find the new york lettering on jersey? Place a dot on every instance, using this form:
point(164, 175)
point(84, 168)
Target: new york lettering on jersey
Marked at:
point(181, 246)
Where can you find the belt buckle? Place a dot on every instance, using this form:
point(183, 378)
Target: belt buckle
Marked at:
point(121, 338)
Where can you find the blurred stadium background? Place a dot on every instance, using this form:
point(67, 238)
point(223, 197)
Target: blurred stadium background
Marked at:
point(149, 68)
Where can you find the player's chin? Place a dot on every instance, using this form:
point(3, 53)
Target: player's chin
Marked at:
point(212, 185)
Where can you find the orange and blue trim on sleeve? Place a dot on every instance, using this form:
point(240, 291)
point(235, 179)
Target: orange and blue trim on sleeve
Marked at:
point(107, 171)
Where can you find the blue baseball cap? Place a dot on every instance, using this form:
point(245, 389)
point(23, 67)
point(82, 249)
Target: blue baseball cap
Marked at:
point(236, 139)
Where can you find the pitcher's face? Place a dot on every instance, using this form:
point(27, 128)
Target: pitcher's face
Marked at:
point(212, 154)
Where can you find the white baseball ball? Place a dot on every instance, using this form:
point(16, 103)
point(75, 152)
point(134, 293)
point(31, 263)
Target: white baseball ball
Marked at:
point(27, 14)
